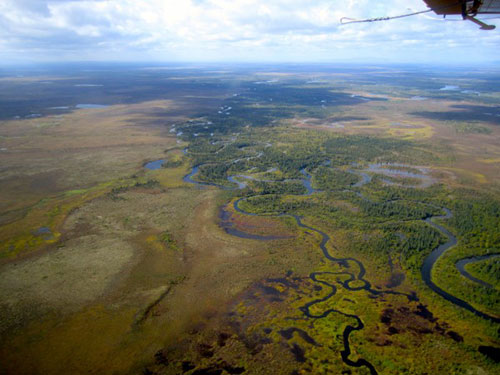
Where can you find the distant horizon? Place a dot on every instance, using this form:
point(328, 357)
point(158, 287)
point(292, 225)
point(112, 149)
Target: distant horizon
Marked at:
point(270, 63)
point(239, 31)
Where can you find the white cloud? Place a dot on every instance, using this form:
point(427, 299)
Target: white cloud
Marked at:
point(234, 30)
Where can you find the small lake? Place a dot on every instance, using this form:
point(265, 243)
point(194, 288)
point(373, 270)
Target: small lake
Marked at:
point(90, 106)
point(154, 165)
point(44, 232)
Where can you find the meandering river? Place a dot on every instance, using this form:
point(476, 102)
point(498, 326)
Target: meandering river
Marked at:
point(356, 281)
point(463, 262)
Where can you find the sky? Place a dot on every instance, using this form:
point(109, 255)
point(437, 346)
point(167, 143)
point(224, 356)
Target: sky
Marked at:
point(237, 31)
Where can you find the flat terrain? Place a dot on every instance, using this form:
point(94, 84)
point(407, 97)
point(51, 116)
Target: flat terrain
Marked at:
point(284, 232)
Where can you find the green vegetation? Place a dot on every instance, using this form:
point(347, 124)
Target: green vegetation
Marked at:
point(355, 149)
point(275, 188)
point(476, 219)
point(487, 270)
point(475, 222)
point(382, 223)
point(172, 164)
point(333, 179)
point(471, 128)
point(167, 239)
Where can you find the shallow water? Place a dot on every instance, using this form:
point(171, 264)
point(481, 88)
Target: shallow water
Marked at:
point(154, 165)
point(425, 179)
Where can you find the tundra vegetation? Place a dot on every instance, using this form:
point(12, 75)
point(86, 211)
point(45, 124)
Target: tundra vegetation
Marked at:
point(284, 233)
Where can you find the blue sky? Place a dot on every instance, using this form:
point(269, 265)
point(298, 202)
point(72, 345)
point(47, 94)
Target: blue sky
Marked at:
point(236, 30)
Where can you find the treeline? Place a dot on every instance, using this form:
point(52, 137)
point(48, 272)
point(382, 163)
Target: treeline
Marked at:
point(419, 240)
point(213, 172)
point(487, 270)
point(400, 210)
point(377, 191)
point(274, 203)
point(291, 161)
point(289, 187)
point(484, 296)
point(203, 146)
point(225, 154)
point(333, 179)
point(476, 220)
point(409, 242)
point(353, 148)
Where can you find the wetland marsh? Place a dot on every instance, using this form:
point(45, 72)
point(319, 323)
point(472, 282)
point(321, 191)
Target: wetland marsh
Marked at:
point(192, 225)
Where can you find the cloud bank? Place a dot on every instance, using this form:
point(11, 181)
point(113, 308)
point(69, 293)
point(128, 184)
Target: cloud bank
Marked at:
point(236, 30)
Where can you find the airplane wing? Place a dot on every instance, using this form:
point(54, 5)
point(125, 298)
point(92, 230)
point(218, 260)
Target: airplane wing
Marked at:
point(444, 6)
point(468, 9)
point(464, 7)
